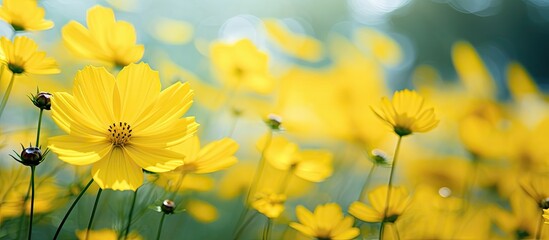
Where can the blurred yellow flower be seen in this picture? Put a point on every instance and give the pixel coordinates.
(382, 47)
(521, 84)
(236, 181)
(378, 197)
(14, 184)
(297, 45)
(183, 182)
(122, 125)
(105, 39)
(171, 31)
(327, 222)
(22, 57)
(104, 234)
(24, 15)
(241, 66)
(523, 218)
(269, 203)
(311, 165)
(445, 172)
(406, 113)
(472, 72)
(202, 211)
(213, 157)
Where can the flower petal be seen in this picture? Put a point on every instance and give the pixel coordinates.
(117, 172)
(78, 150)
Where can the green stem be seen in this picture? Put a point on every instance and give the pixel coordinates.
(362, 196)
(38, 129)
(540, 227)
(24, 206)
(160, 226)
(267, 229)
(6, 95)
(70, 209)
(32, 201)
(241, 229)
(260, 167)
(130, 216)
(93, 213)
(390, 185)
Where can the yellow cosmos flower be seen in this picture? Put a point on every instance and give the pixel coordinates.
(378, 198)
(104, 234)
(21, 56)
(213, 157)
(24, 15)
(269, 203)
(327, 222)
(122, 125)
(311, 165)
(241, 65)
(105, 39)
(406, 113)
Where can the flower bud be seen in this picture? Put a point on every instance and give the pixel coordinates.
(168, 206)
(31, 156)
(274, 121)
(42, 100)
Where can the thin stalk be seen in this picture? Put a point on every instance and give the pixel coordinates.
(22, 217)
(130, 215)
(390, 185)
(241, 229)
(160, 226)
(362, 196)
(38, 129)
(70, 209)
(32, 202)
(6, 94)
(260, 167)
(93, 213)
(286, 180)
(540, 227)
(267, 229)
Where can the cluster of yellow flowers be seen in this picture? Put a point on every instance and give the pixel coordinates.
(286, 139)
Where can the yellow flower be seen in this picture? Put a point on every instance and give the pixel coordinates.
(122, 125)
(24, 15)
(269, 203)
(201, 211)
(327, 222)
(311, 165)
(242, 66)
(378, 199)
(522, 219)
(105, 234)
(213, 157)
(294, 44)
(22, 57)
(105, 39)
(406, 113)
(14, 184)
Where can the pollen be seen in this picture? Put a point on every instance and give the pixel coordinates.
(120, 133)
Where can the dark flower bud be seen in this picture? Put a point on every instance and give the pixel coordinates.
(42, 100)
(168, 206)
(31, 156)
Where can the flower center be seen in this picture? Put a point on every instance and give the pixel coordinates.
(120, 134)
